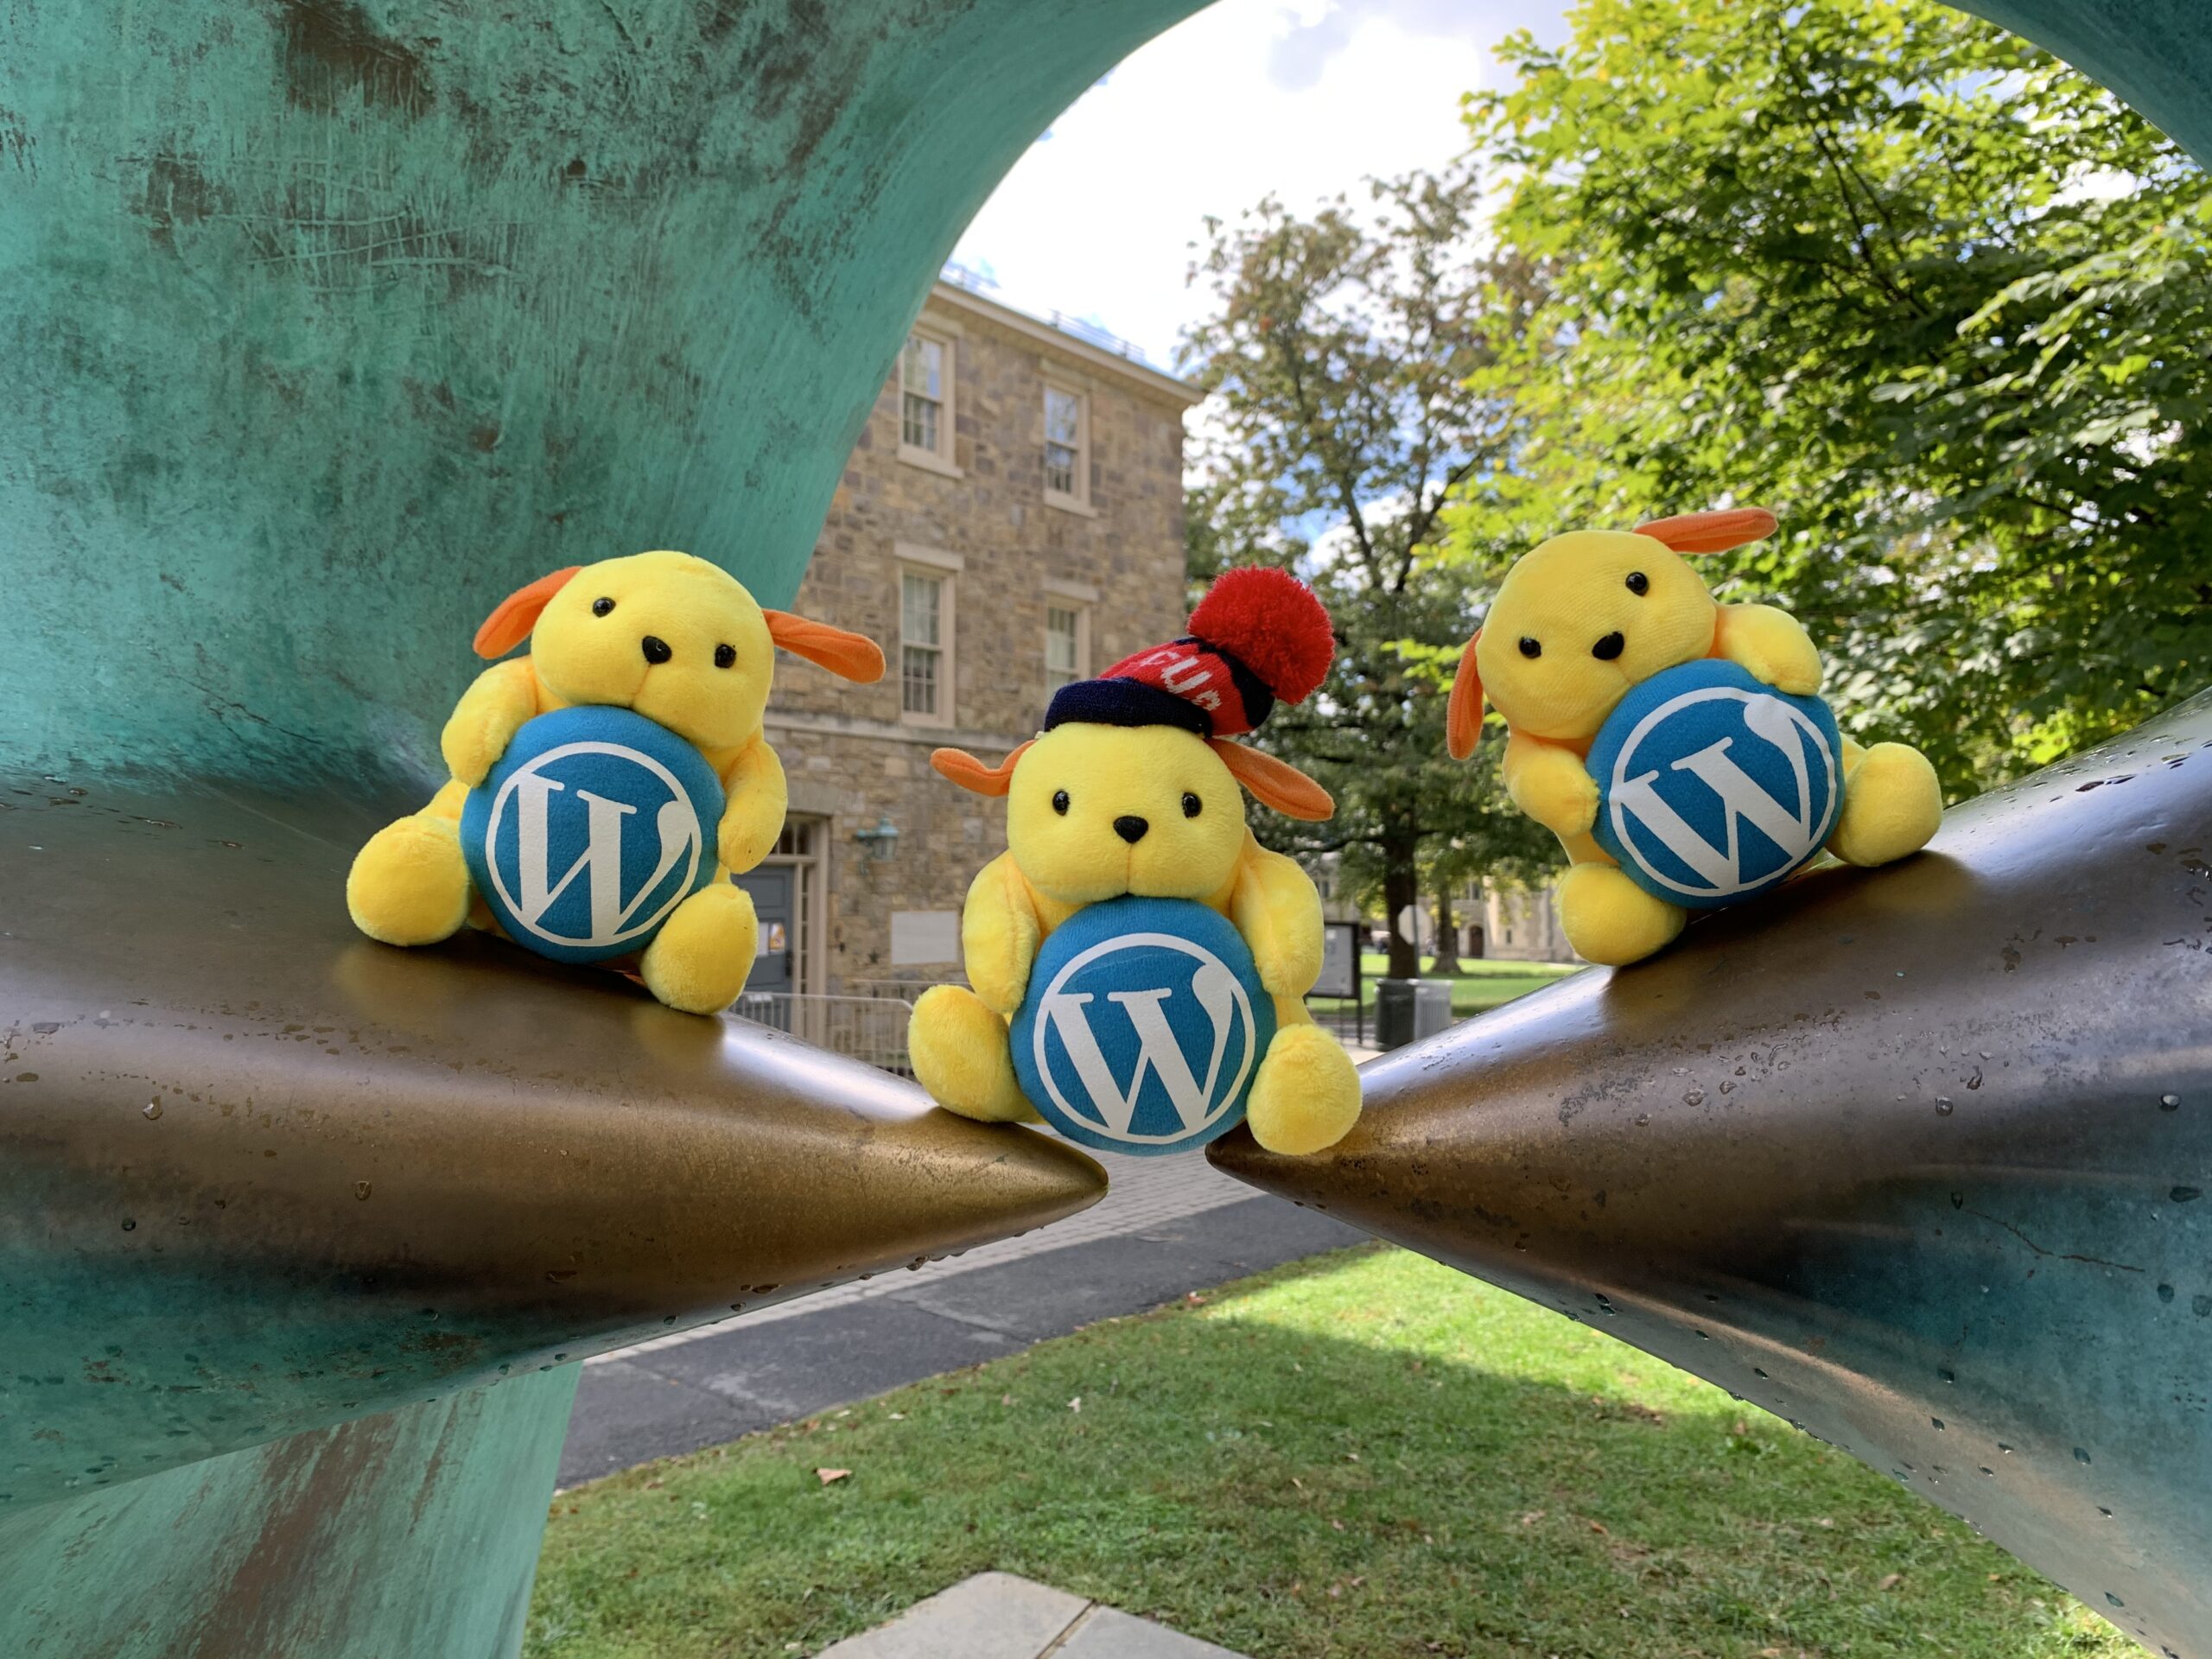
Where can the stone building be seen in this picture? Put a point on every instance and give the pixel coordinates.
(1011, 518)
(1517, 924)
(1506, 924)
(1503, 923)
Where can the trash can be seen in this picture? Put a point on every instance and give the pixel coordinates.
(1407, 1010)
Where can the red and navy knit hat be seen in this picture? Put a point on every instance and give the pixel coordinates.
(1259, 635)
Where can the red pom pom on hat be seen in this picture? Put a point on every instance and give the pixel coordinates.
(1259, 636)
(1274, 624)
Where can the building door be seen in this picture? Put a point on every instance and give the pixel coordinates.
(770, 886)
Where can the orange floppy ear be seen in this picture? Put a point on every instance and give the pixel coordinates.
(1710, 532)
(972, 775)
(518, 613)
(1275, 783)
(848, 656)
(1463, 715)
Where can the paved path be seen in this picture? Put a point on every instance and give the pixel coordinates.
(1167, 1225)
(998, 1616)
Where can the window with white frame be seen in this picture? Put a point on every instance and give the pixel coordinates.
(1067, 642)
(1067, 445)
(925, 647)
(926, 398)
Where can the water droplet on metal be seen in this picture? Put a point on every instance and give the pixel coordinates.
(129, 1225)
(361, 1190)
(1942, 1105)
(1695, 1098)
(1642, 1119)
(152, 1109)
(2168, 1103)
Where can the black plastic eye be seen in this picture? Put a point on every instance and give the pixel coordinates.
(1638, 583)
(1531, 647)
(1191, 805)
(601, 606)
(1060, 802)
(725, 656)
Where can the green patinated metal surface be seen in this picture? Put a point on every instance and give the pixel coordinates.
(323, 324)
(411, 1534)
(2157, 54)
(326, 322)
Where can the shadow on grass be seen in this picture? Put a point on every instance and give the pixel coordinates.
(1362, 1455)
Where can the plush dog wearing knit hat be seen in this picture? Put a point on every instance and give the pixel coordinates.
(1133, 788)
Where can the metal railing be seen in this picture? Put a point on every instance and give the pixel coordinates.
(908, 991)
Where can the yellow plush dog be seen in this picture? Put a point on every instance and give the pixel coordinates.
(673, 638)
(1134, 788)
(1582, 618)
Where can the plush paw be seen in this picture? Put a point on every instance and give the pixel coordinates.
(1611, 921)
(1772, 647)
(1892, 806)
(1562, 797)
(409, 885)
(1306, 1095)
(960, 1055)
(699, 959)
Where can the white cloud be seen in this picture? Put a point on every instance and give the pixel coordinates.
(1249, 97)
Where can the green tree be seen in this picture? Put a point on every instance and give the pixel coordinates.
(1340, 359)
(1937, 299)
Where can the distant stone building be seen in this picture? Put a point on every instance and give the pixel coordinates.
(1518, 924)
(1011, 518)
(1507, 924)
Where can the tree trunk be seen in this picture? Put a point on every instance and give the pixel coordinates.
(1401, 891)
(1447, 965)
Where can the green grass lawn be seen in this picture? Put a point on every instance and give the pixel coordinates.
(1363, 1456)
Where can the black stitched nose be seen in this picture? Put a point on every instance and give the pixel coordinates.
(1131, 829)
(657, 651)
(1609, 647)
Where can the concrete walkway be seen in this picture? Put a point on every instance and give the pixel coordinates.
(998, 1616)
(1166, 1226)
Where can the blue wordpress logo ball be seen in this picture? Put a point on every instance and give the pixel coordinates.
(1144, 1023)
(1713, 787)
(593, 827)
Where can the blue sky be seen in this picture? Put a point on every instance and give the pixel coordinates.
(1302, 97)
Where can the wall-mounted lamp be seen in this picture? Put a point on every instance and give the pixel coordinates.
(881, 842)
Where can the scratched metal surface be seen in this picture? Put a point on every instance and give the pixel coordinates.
(258, 1174)
(1919, 1159)
(405, 1534)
